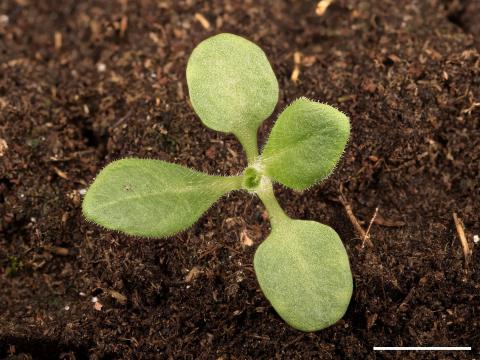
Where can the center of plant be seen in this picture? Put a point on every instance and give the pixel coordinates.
(251, 179)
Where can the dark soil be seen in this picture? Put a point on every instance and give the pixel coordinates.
(83, 83)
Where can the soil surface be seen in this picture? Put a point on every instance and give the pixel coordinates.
(86, 82)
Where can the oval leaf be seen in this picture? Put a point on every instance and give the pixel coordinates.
(303, 270)
(305, 144)
(152, 198)
(231, 84)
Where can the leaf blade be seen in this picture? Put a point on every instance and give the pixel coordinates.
(305, 144)
(151, 198)
(303, 270)
(231, 84)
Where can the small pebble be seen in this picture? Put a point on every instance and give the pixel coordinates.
(82, 191)
(67, 307)
(476, 239)
(4, 20)
(94, 299)
(101, 67)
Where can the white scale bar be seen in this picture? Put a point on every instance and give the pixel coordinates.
(422, 348)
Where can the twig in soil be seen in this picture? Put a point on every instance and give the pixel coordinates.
(356, 224)
(60, 173)
(212, 249)
(380, 220)
(122, 119)
(471, 108)
(463, 239)
(297, 60)
(123, 26)
(403, 306)
(367, 234)
(203, 21)
(58, 250)
(73, 156)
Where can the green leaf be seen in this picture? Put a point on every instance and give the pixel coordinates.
(305, 144)
(231, 84)
(152, 198)
(303, 270)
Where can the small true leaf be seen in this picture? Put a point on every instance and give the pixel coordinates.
(151, 197)
(231, 84)
(303, 270)
(305, 144)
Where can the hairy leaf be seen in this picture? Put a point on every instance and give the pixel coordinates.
(305, 144)
(303, 270)
(152, 198)
(232, 85)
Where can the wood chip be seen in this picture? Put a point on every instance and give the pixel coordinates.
(59, 250)
(394, 58)
(75, 197)
(180, 93)
(60, 173)
(3, 147)
(345, 98)
(122, 299)
(193, 274)
(154, 37)
(211, 152)
(467, 252)
(203, 21)
(322, 7)
(95, 29)
(309, 60)
(245, 239)
(57, 40)
(371, 319)
(369, 86)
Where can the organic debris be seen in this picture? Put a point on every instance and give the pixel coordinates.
(467, 252)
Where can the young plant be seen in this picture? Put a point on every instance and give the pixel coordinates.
(302, 267)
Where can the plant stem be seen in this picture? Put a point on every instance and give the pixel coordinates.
(275, 212)
(230, 183)
(249, 143)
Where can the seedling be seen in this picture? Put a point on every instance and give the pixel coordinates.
(302, 267)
